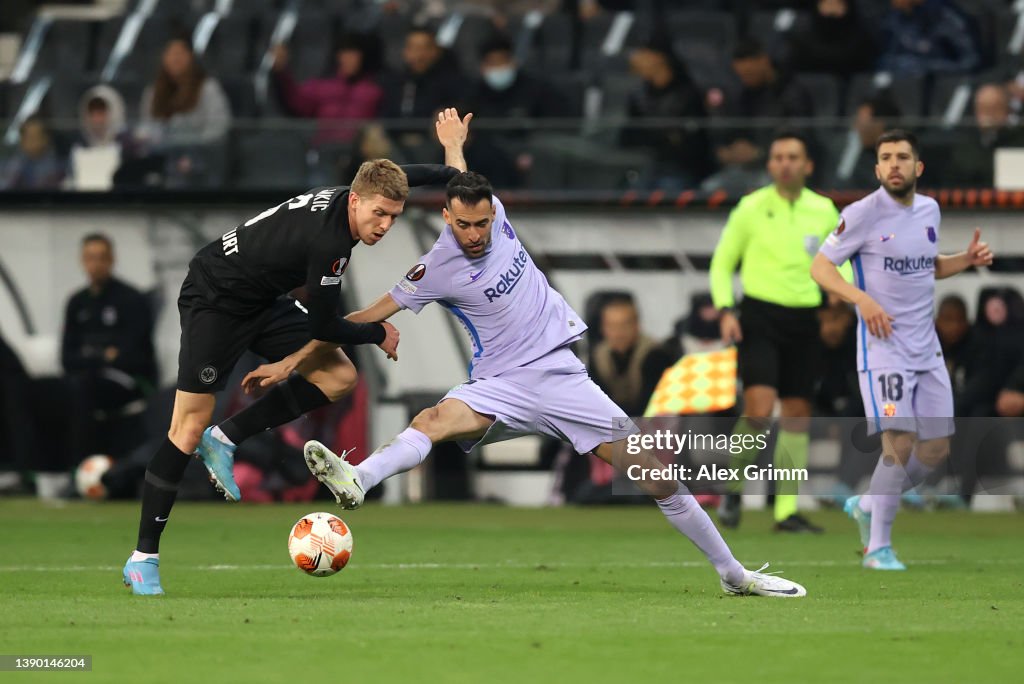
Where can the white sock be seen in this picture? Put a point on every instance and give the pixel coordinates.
(219, 435)
(686, 515)
(886, 486)
(139, 556)
(406, 451)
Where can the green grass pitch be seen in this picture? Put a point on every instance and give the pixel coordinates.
(471, 593)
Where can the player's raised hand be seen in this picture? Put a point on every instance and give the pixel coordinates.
(878, 321)
(451, 130)
(978, 252)
(390, 343)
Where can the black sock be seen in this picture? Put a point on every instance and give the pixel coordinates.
(163, 475)
(284, 403)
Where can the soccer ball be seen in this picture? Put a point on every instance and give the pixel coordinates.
(320, 544)
(88, 477)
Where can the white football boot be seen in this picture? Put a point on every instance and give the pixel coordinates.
(758, 583)
(337, 474)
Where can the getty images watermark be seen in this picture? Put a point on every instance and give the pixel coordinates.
(670, 443)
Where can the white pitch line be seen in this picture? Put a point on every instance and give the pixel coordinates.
(508, 566)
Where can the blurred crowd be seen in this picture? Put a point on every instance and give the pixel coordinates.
(693, 89)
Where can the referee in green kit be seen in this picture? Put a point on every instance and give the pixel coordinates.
(774, 232)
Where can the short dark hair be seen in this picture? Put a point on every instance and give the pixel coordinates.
(748, 47)
(899, 135)
(469, 188)
(98, 237)
(955, 301)
(790, 134)
(882, 105)
(496, 43)
(97, 104)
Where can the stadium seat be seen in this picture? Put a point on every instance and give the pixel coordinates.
(230, 52)
(310, 45)
(552, 45)
(616, 90)
(907, 91)
(68, 47)
(702, 27)
(824, 89)
(241, 95)
(269, 159)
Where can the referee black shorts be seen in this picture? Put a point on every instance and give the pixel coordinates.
(780, 347)
(213, 340)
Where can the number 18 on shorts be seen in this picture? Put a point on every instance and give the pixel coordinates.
(909, 401)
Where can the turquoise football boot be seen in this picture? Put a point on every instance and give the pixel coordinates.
(863, 520)
(219, 459)
(883, 559)
(143, 577)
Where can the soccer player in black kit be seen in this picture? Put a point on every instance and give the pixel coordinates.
(233, 299)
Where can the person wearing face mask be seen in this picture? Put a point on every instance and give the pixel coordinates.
(834, 42)
(504, 91)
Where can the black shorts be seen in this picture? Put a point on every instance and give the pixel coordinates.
(213, 340)
(780, 347)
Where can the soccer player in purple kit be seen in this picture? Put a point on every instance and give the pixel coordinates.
(524, 378)
(891, 237)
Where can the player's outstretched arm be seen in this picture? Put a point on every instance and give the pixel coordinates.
(452, 133)
(381, 310)
(977, 254)
(827, 274)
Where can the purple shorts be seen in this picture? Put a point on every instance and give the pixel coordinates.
(908, 401)
(552, 396)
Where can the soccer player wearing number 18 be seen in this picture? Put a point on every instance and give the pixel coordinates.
(232, 300)
(891, 236)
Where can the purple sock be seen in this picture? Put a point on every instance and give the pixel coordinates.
(406, 451)
(686, 515)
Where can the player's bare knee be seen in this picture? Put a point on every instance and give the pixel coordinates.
(186, 433)
(427, 421)
(933, 452)
(339, 381)
(898, 447)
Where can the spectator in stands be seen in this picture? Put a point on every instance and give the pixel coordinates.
(874, 116)
(971, 161)
(997, 349)
(184, 106)
(505, 91)
(185, 116)
(954, 330)
(36, 165)
(103, 140)
(627, 364)
(351, 94)
(927, 37)
(681, 153)
(430, 79)
(766, 92)
(834, 42)
(107, 348)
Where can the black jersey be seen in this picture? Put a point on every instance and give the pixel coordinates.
(305, 240)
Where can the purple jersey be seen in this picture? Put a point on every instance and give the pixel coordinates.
(893, 249)
(512, 315)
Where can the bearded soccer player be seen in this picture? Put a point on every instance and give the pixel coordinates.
(891, 236)
(524, 378)
(232, 300)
